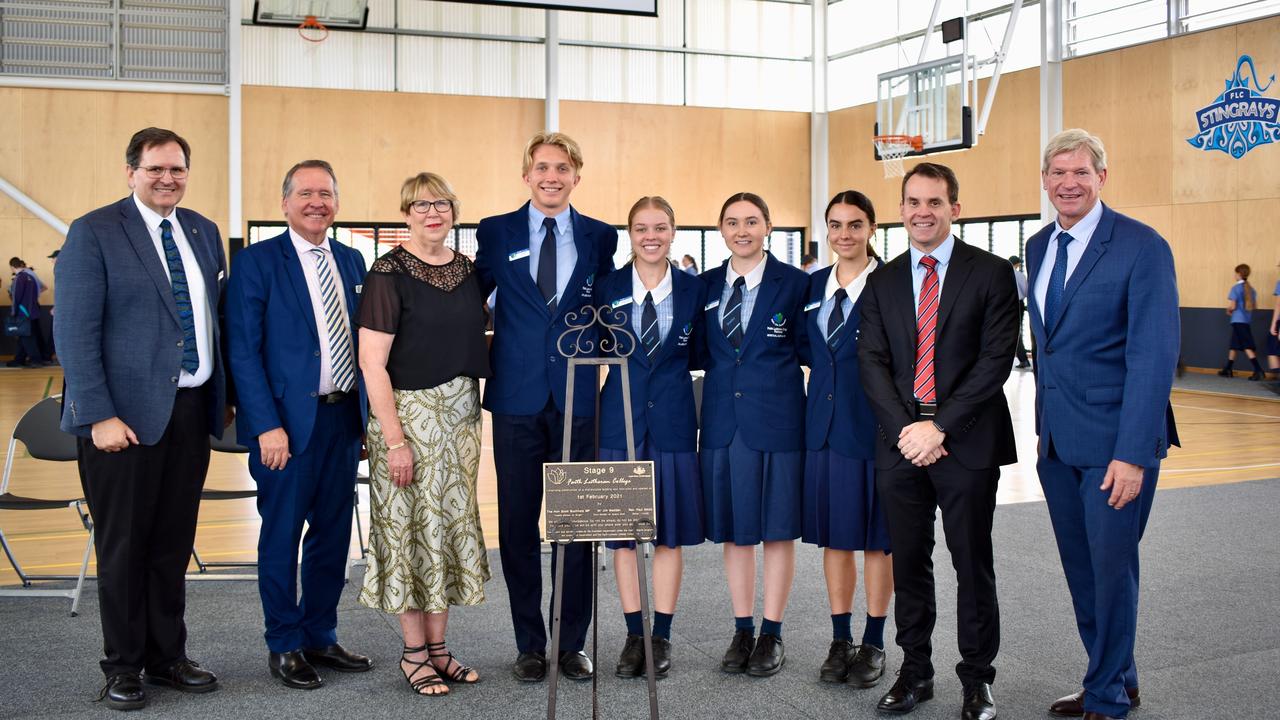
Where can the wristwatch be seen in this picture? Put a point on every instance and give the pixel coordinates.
(939, 427)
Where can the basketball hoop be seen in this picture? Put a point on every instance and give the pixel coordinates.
(892, 148)
(312, 30)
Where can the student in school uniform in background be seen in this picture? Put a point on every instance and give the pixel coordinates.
(841, 507)
(1241, 302)
(752, 441)
(662, 308)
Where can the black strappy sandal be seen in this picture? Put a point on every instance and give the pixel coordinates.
(453, 670)
(421, 683)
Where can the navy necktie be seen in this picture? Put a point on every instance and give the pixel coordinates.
(547, 265)
(182, 297)
(342, 366)
(836, 322)
(732, 319)
(649, 327)
(1057, 284)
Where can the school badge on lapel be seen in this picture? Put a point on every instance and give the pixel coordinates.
(777, 327)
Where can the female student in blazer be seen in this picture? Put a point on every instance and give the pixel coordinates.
(841, 510)
(662, 308)
(752, 442)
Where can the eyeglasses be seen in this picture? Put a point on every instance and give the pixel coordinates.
(422, 206)
(155, 172)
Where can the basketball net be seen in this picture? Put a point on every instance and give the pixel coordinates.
(312, 30)
(892, 148)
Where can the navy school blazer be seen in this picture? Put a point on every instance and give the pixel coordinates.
(837, 412)
(661, 390)
(758, 390)
(525, 358)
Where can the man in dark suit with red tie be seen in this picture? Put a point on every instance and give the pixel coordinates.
(939, 324)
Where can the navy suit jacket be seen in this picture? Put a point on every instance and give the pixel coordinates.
(527, 365)
(661, 389)
(118, 333)
(1103, 377)
(837, 412)
(760, 389)
(274, 344)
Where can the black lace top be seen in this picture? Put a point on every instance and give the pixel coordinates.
(437, 314)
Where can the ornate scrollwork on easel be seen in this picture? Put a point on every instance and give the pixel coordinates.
(612, 339)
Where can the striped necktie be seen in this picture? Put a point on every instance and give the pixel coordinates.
(649, 327)
(182, 297)
(836, 322)
(1057, 283)
(926, 331)
(341, 360)
(731, 321)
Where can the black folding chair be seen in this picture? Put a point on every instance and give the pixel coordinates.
(227, 444)
(38, 431)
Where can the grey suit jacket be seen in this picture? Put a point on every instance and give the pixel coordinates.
(118, 334)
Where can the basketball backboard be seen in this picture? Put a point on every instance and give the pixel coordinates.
(933, 100)
(333, 14)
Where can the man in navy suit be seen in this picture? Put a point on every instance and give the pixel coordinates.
(291, 309)
(544, 260)
(1104, 312)
(138, 285)
(939, 324)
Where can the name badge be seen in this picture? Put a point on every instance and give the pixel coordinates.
(813, 305)
(359, 288)
(711, 305)
(221, 275)
(518, 254)
(621, 302)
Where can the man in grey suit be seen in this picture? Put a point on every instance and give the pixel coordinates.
(137, 287)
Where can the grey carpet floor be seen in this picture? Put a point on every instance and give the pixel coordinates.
(1241, 386)
(1208, 646)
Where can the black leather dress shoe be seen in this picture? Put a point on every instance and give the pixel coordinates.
(123, 691)
(768, 657)
(294, 671)
(1072, 706)
(185, 675)
(631, 661)
(867, 666)
(905, 694)
(338, 658)
(661, 656)
(530, 667)
(576, 666)
(739, 652)
(835, 669)
(978, 703)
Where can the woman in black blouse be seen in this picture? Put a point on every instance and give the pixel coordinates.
(422, 350)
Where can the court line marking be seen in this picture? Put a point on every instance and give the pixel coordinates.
(1229, 412)
(1221, 469)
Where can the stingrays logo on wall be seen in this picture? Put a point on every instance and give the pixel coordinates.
(1241, 118)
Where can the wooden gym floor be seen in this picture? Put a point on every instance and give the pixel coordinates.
(1226, 439)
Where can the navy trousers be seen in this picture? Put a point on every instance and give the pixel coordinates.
(316, 486)
(1099, 549)
(521, 443)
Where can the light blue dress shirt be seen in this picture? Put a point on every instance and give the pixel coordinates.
(853, 291)
(942, 254)
(750, 289)
(566, 250)
(1081, 233)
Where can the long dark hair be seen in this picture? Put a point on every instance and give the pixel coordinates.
(863, 203)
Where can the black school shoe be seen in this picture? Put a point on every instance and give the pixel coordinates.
(739, 652)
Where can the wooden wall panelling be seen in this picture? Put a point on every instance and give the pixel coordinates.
(1204, 251)
(1201, 63)
(1258, 245)
(1259, 170)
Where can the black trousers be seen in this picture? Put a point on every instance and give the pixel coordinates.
(909, 496)
(1021, 352)
(144, 500)
(521, 443)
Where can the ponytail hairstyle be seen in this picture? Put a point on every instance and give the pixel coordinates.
(1250, 297)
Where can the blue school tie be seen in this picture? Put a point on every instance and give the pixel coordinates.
(1057, 284)
(732, 321)
(836, 322)
(181, 297)
(649, 326)
(341, 359)
(547, 265)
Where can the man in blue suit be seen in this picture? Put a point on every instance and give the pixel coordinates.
(291, 309)
(1104, 311)
(544, 260)
(138, 285)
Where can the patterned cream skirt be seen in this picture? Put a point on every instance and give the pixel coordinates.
(426, 549)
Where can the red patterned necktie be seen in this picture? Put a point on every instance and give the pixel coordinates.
(926, 331)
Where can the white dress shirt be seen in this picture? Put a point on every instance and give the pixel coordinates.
(1080, 233)
(308, 261)
(195, 288)
(753, 280)
(853, 290)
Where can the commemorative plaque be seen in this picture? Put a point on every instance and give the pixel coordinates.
(589, 501)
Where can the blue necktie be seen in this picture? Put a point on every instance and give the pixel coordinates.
(836, 322)
(649, 327)
(341, 359)
(1057, 284)
(547, 265)
(182, 297)
(732, 320)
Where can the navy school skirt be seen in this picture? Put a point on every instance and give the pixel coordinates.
(677, 494)
(841, 508)
(751, 496)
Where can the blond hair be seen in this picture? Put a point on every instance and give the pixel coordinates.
(560, 140)
(429, 183)
(656, 202)
(1072, 140)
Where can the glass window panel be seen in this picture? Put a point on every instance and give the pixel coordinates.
(359, 238)
(622, 255)
(717, 250)
(1202, 14)
(897, 241)
(688, 242)
(785, 245)
(1004, 241)
(1094, 26)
